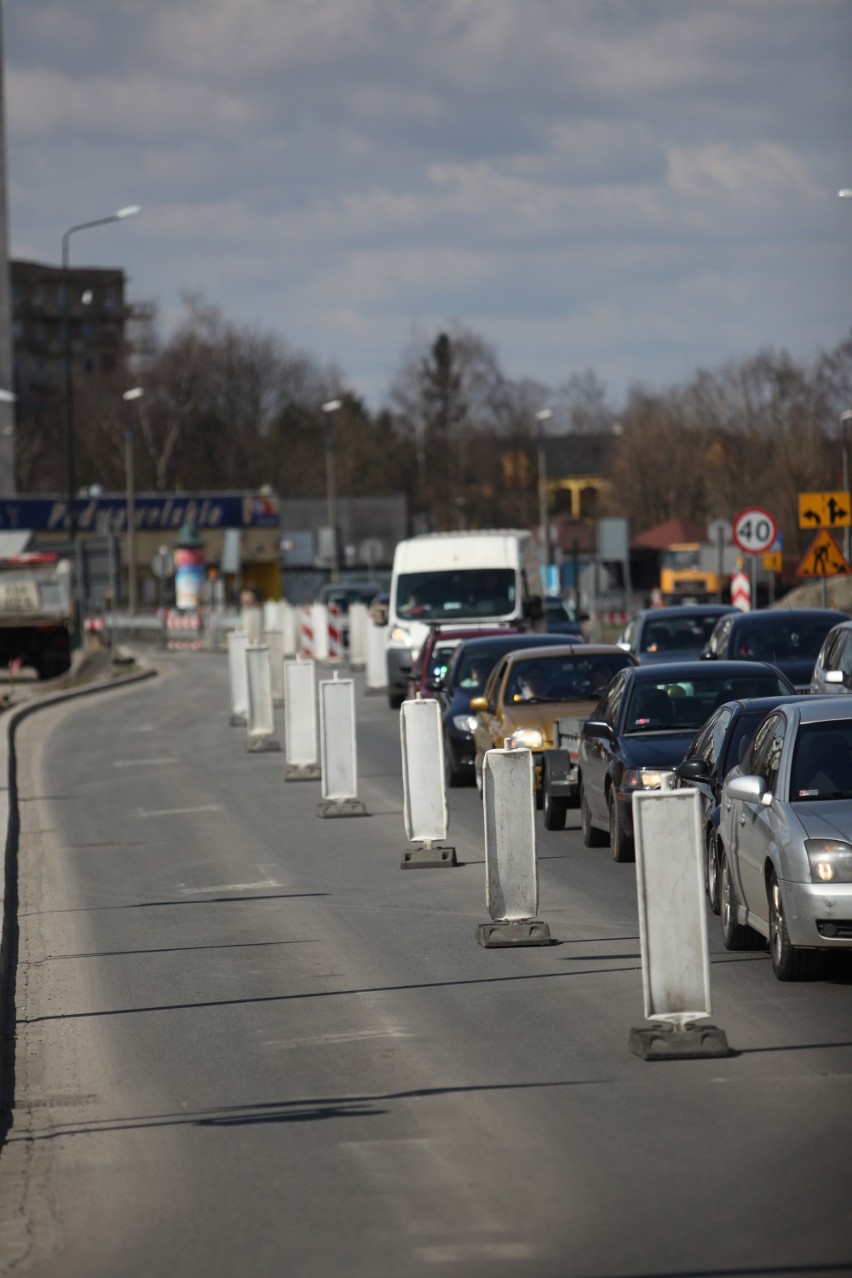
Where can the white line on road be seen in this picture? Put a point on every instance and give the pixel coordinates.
(140, 763)
(207, 807)
(232, 887)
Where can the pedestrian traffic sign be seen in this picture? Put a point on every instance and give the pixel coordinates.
(824, 558)
(824, 510)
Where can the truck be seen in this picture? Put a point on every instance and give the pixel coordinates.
(36, 613)
(486, 579)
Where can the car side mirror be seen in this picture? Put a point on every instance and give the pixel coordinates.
(478, 703)
(833, 676)
(692, 770)
(599, 730)
(749, 790)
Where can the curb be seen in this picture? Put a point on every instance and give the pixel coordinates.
(9, 827)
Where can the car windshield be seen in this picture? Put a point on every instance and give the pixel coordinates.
(469, 592)
(568, 678)
(680, 705)
(782, 638)
(822, 762)
(680, 634)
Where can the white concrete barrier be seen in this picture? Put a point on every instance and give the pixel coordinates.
(673, 927)
(260, 720)
(289, 628)
(275, 644)
(376, 678)
(511, 869)
(359, 618)
(319, 618)
(251, 622)
(338, 753)
(424, 796)
(237, 677)
(271, 620)
(301, 746)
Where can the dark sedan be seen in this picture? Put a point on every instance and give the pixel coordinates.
(470, 666)
(676, 633)
(641, 729)
(709, 759)
(788, 637)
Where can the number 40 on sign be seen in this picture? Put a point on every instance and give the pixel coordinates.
(754, 530)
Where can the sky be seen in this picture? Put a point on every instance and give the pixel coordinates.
(641, 188)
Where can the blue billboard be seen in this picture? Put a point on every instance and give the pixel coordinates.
(151, 513)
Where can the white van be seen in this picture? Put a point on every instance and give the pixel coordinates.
(458, 579)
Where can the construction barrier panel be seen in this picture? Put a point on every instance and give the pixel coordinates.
(511, 869)
(260, 720)
(673, 926)
(377, 662)
(300, 720)
(338, 753)
(275, 644)
(359, 618)
(237, 677)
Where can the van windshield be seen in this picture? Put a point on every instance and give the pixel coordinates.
(456, 593)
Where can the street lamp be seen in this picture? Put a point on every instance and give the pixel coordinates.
(542, 416)
(329, 408)
(129, 211)
(135, 392)
(845, 418)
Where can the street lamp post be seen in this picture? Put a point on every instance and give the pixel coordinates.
(129, 211)
(542, 416)
(845, 419)
(135, 392)
(330, 408)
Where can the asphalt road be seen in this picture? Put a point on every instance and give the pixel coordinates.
(250, 1044)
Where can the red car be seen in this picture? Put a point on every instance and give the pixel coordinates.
(433, 659)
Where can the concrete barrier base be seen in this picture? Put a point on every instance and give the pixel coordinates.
(262, 745)
(666, 1043)
(505, 933)
(303, 772)
(341, 808)
(428, 858)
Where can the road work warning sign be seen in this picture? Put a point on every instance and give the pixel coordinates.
(824, 559)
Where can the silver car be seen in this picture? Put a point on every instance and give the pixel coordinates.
(785, 835)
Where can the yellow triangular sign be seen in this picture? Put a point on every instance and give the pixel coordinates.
(824, 558)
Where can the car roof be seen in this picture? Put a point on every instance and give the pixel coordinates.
(748, 705)
(657, 671)
(685, 610)
(761, 615)
(508, 641)
(817, 708)
(574, 649)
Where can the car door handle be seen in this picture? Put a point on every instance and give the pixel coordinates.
(741, 819)
(728, 805)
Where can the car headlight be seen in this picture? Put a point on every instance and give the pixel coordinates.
(647, 779)
(464, 722)
(830, 860)
(525, 738)
(399, 634)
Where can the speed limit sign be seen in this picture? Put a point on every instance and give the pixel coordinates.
(755, 530)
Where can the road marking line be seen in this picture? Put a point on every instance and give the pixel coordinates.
(140, 763)
(208, 807)
(232, 887)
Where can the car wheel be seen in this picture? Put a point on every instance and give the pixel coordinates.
(735, 935)
(620, 844)
(477, 772)
(553, 810)
(592, 836)
(789, 962)
(452, 775)
(712, 873)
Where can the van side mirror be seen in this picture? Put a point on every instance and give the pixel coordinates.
(534, 608)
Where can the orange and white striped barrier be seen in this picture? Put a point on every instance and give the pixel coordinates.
(335, 633)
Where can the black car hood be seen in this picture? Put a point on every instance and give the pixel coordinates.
(656, 749)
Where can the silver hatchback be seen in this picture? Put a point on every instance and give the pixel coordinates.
(785, 835)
